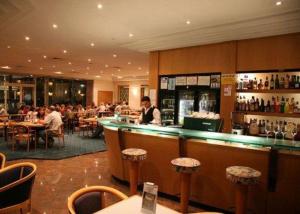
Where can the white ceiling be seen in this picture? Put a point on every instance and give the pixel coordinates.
(155, 24)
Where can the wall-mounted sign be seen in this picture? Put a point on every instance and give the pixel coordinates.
(164, 83)
(215, 81)
(171, 83)
(204, 80)
(180, 80)
(228, 79)
(191, 80)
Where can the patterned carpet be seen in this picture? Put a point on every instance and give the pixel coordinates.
(74, 146)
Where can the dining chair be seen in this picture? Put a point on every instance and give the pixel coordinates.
(16, 182)
(22, 133)
(91, 199)
(59, 134)
(2, 160)
(84, 127)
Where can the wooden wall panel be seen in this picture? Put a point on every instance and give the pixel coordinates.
(89, 92)
(105, 97)
(277, 52)
(153, 69)
(199, 59)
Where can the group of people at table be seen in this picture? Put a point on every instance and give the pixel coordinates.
(52, 117)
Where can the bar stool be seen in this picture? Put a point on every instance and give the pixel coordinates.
(134, 156)
(185, 166)
(242, 177)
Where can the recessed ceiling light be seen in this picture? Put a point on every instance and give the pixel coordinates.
(58, 72)
(120, 77)
(44, 56)
(55, 26)
(73, 70)
(65, 51)
(6, 67)
(129, 63)
(278, 3)
(88, 68)
(53, 66)
(188, 22)
(31, 75)
(89, 60)
(99, 6)
(119, 69)
(101, 72)
(27, 38)
(98, 76)
(41, 68)
(87, 73)
(139, 68)
(147, 72)
(106, 66)
(29, 60)
(70, 63)
(8, 46)
(115, 56)
(130, 35)
(92, 44)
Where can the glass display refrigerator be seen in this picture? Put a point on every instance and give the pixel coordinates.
(179, 99)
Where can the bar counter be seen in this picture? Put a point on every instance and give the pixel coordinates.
(277, 160)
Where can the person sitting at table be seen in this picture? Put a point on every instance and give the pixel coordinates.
(150, 114)
(31, 114)
(2, 110)
(52, 122)
(41, 113)
(101, 108)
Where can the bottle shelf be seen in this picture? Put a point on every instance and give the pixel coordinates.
(271, 91)
(270, 114)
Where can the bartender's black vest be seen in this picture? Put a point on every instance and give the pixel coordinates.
(148, 117)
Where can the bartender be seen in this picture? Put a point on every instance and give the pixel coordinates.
(150, 114)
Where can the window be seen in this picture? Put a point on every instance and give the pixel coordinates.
(124, 93)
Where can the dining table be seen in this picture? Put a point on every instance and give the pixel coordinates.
(133, 205)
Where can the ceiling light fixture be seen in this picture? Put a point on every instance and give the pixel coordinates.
(58, 72)
(115, 56)
(53, 66)
(70, 63)
(8, 46)
(41, 68)
(92, 44)
(98, 76)
(88, 68)
(188, 22)
(130, 35)
(119, 77)
(27, 38)
(89, 60)
(6, 67)
(129, 63)
(139, 68)
(29, 60)
(44, 56)
(55, 26)
(106, 66)
(65, 51)
(278, 3)
(99, 6)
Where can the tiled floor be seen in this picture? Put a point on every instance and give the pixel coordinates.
(57, 179)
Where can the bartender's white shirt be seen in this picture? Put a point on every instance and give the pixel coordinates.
(156, 116)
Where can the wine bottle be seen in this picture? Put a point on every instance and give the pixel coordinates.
(286, 82)
(277, 82)
(255, 83)
(282, 104)
(260, 85)
(272, 83)
(267, 83)
(297, 84)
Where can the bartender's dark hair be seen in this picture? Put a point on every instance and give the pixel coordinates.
(145, 98)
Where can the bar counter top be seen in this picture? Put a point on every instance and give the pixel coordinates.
(195, 134)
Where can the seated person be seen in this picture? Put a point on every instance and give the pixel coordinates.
(52, 122)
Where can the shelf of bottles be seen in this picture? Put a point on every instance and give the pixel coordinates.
(268, 94)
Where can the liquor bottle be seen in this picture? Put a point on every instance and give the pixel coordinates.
(255, 83)
(272, 83)
(281, 83)
(267, 83)
(252, 104)
(292, 105)
(259, 127)
(262, 105)
(245, 84)
(282, 104)
(260, 85)
(256, 105)
(263, 124)
(241, 84)
(250, 84)
(286, 106)
(244, 103)
(297, 83)
(272, 107)
(237, 104)
(268, 106)
(247, 106)
(286, 82)
(277, 105)
(277, 82)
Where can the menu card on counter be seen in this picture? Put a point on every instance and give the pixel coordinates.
(171, 83)
(149, 198)
(164, 83)
(191, 80)
(204, 80)
(181, 80)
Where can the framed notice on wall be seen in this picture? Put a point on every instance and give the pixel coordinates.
(204, 80)
(181, 80)
(215, 81)
(171, 83)
(191, 80)
(164, 83)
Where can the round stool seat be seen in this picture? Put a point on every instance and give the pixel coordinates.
(185, 165)
(134, 154)
(242, 175)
